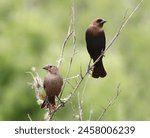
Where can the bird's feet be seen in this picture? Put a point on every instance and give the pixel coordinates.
(62, 103)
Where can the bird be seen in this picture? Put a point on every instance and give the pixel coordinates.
(95, 43)
(52, 85)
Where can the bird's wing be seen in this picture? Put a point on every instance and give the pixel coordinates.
(44, 84)
(95, 41)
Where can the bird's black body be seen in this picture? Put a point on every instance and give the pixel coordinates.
(96, 41)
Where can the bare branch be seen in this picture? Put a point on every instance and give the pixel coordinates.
(73, 77)
(29, 117)
(110, 103)
(63, 47)
(85, 85)
(70, 84)
(123, 24)
(72, 25)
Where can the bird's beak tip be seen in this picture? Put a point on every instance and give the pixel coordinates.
(45, 68)
(104, 21)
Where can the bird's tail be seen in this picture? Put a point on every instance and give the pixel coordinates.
(48, 102)
(98, 70)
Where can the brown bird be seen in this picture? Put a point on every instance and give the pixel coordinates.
(52, 86)
(95, 41)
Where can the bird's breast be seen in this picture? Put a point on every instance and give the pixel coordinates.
(52, 84)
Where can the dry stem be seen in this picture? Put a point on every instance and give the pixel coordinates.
(110, 103)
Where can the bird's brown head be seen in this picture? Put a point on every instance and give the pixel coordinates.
(99, 22)
(51, 68)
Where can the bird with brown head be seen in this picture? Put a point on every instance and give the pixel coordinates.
(95, 42)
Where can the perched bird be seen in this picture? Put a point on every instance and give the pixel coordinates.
(95, 41)
(52, 85)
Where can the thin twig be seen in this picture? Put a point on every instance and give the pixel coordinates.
(29, 117)
(110, 103)
(72, 25)
(73, 77)
(63, 47)
(70, 84)
(84, 88)
(125, 21)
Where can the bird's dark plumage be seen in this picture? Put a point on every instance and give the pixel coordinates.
(96, 41)
(52, 85)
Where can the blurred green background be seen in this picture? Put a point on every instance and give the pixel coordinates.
(32, 33)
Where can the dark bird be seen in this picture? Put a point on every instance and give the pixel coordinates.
(95, 41)
(52, 85)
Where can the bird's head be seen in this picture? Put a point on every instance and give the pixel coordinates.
(51, 68)
(99, 22)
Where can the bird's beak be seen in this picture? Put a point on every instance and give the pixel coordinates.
(103, 21)
(45, 67)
